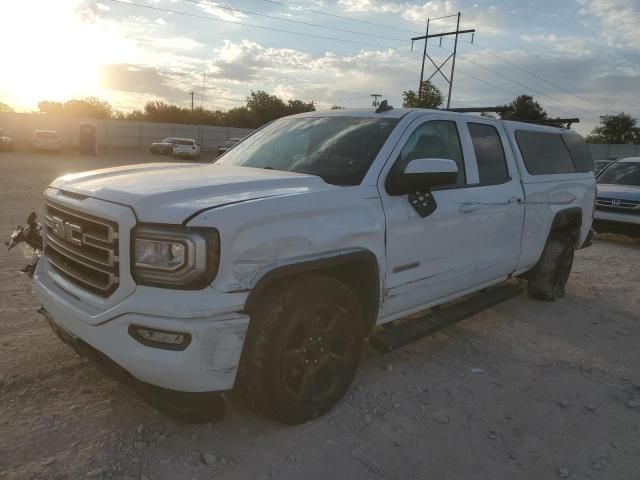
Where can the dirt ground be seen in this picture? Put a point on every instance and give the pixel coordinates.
(526, 390)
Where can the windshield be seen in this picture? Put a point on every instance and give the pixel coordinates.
(168, 140)
(622, 173)
(184, 142)
(340, 150)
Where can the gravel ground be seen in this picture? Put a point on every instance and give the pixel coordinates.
(526, 390)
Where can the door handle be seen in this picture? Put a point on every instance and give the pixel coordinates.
(468, 207)
(515, 200)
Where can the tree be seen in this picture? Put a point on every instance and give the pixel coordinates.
(338, 107)
(299, 106)
(89, 107)
(430, 97)
(48, 107)
(524, 108)
(4, 108)
(265, 107)
(616, 129)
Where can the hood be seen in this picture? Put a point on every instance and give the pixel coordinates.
(171, 192)
(622, 192)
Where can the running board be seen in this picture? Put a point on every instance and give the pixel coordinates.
(409, 331)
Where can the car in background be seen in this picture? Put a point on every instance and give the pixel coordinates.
(600, 165)
(618, 197)
(186, 148)
(6, 143)
(46, 141)
(163, 147)
(228, 145)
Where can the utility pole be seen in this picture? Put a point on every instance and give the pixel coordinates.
(192, 93)
(204, 77)
(425, 55)
(376, 96)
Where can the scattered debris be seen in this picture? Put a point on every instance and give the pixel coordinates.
(209, 458)
(492, 435)
(591, 407)
(563, 472)
(442, 418)
(633, 403)
(565, 403)
(477, 370)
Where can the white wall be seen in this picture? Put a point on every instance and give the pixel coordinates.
(113, 133)
(603, 152)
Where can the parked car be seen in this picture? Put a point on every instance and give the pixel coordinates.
(267, 270)
(186, 148)
(46, 141)
(600, 165)
(228, 144)
(6, 143)
(163, 147)
(618, 198)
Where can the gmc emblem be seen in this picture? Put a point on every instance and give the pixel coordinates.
(68, 231)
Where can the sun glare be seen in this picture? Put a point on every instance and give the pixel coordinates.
(48, 52)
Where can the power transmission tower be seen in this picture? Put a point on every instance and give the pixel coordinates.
(425, 55)
(376, 96)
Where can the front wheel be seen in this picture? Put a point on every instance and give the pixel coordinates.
(549, 277)
(303, 347)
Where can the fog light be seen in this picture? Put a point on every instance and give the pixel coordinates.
(152, 337)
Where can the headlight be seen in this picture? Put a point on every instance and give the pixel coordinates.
(175, 256)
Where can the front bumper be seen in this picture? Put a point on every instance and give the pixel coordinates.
(610, 216)
(208, 364)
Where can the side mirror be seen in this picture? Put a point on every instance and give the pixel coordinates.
(422, 174)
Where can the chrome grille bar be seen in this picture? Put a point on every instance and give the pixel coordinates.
(82, 248)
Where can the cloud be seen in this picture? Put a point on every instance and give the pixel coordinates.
(223, 11)
(142, 79)
(488, 21)
(620, 19)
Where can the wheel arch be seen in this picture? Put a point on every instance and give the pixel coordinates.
(569, 221)
(358, 270)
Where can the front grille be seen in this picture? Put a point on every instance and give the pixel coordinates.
(630, 206)
(82, 248)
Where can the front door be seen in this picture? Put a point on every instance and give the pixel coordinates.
(472, 238)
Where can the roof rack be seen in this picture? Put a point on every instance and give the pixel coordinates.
(554, 122)
(478, 109)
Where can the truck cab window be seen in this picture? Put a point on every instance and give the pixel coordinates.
(434, 139)
(492, 164)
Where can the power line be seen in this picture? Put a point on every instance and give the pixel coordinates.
(542, 79)
(351, 19)
(523, 85)
(300, 22)
(498, 87)
(194, 15)
(548, 82)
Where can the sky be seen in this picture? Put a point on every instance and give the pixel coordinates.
(578, 58)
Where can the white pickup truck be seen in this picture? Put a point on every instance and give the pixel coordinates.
(266, 271)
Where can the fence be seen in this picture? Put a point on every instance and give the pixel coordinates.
(614, 151)
(123, 133)
(113, 133)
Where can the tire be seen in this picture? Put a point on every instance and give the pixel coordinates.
(549, 277)
(303, 347)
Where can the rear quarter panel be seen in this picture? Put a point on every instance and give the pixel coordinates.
(545, 197)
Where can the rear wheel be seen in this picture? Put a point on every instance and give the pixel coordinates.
(549, 278)
(304, 344)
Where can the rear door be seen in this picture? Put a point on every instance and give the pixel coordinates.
(473, 237)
